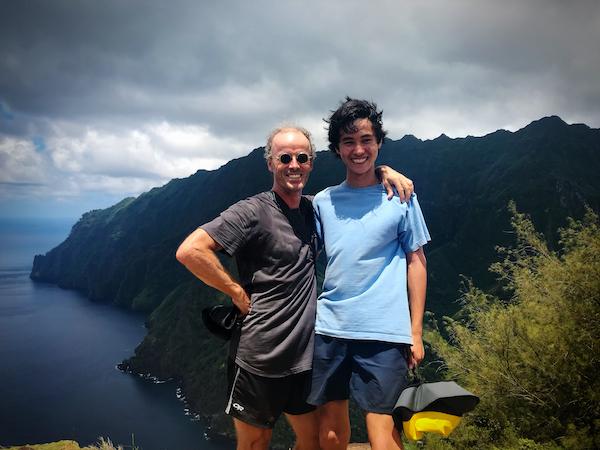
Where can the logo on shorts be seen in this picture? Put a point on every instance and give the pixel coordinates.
(238, 406)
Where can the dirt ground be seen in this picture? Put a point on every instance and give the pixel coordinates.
(366, 446)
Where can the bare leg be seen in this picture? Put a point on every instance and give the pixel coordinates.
(334, 429)
(306, 427)
(382, 433)
(250, 437)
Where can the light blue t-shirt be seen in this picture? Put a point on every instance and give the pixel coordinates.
(365, 237)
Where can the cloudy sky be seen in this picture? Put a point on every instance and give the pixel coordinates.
(105, 99)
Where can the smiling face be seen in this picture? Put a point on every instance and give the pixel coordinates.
(359, 151)
(289, 179)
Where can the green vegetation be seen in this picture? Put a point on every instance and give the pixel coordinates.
(532, 357)
(71, 445)
(126, 255)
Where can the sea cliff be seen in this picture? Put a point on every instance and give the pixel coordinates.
(125, 254)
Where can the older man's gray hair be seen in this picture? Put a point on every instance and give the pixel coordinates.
(268, 153)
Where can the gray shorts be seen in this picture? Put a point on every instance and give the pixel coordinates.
(259, 401)
(373, 371)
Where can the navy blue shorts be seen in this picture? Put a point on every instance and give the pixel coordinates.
(373, 371)
(259, 401)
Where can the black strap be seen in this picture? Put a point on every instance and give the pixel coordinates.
(306, 213)
(413, 379)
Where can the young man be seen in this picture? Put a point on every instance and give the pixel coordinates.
(367, 336)
(273, 237)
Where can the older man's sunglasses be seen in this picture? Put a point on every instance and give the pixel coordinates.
(286, 158)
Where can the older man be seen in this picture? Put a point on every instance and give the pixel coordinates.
(273, 237)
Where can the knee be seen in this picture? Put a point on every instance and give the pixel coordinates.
(331, 438)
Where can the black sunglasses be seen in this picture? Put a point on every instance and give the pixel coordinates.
(286, 158)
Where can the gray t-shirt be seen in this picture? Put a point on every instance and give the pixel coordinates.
(276, 265)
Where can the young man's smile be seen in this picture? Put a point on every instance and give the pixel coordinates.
(358, 151)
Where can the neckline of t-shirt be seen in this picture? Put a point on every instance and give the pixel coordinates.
(282, 204)
(377, 187)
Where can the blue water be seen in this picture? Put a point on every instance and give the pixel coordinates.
(58, 353)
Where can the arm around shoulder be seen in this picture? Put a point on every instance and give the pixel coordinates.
(390, 179)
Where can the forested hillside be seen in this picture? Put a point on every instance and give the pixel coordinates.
(125, 254)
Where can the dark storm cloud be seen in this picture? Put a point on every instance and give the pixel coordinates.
(128, 94)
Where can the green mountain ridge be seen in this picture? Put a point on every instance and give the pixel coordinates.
(126, 254)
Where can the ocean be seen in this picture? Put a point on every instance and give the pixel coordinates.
(58, 357)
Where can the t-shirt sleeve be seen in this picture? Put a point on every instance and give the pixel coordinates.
(232, 227)
(412, 231)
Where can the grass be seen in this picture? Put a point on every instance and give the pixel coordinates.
(103, 444)
(106, 445)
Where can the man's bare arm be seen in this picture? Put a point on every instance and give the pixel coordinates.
(390, 178)
(417, 287)
(197, 253)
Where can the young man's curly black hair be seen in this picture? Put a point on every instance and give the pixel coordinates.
(344, 117)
